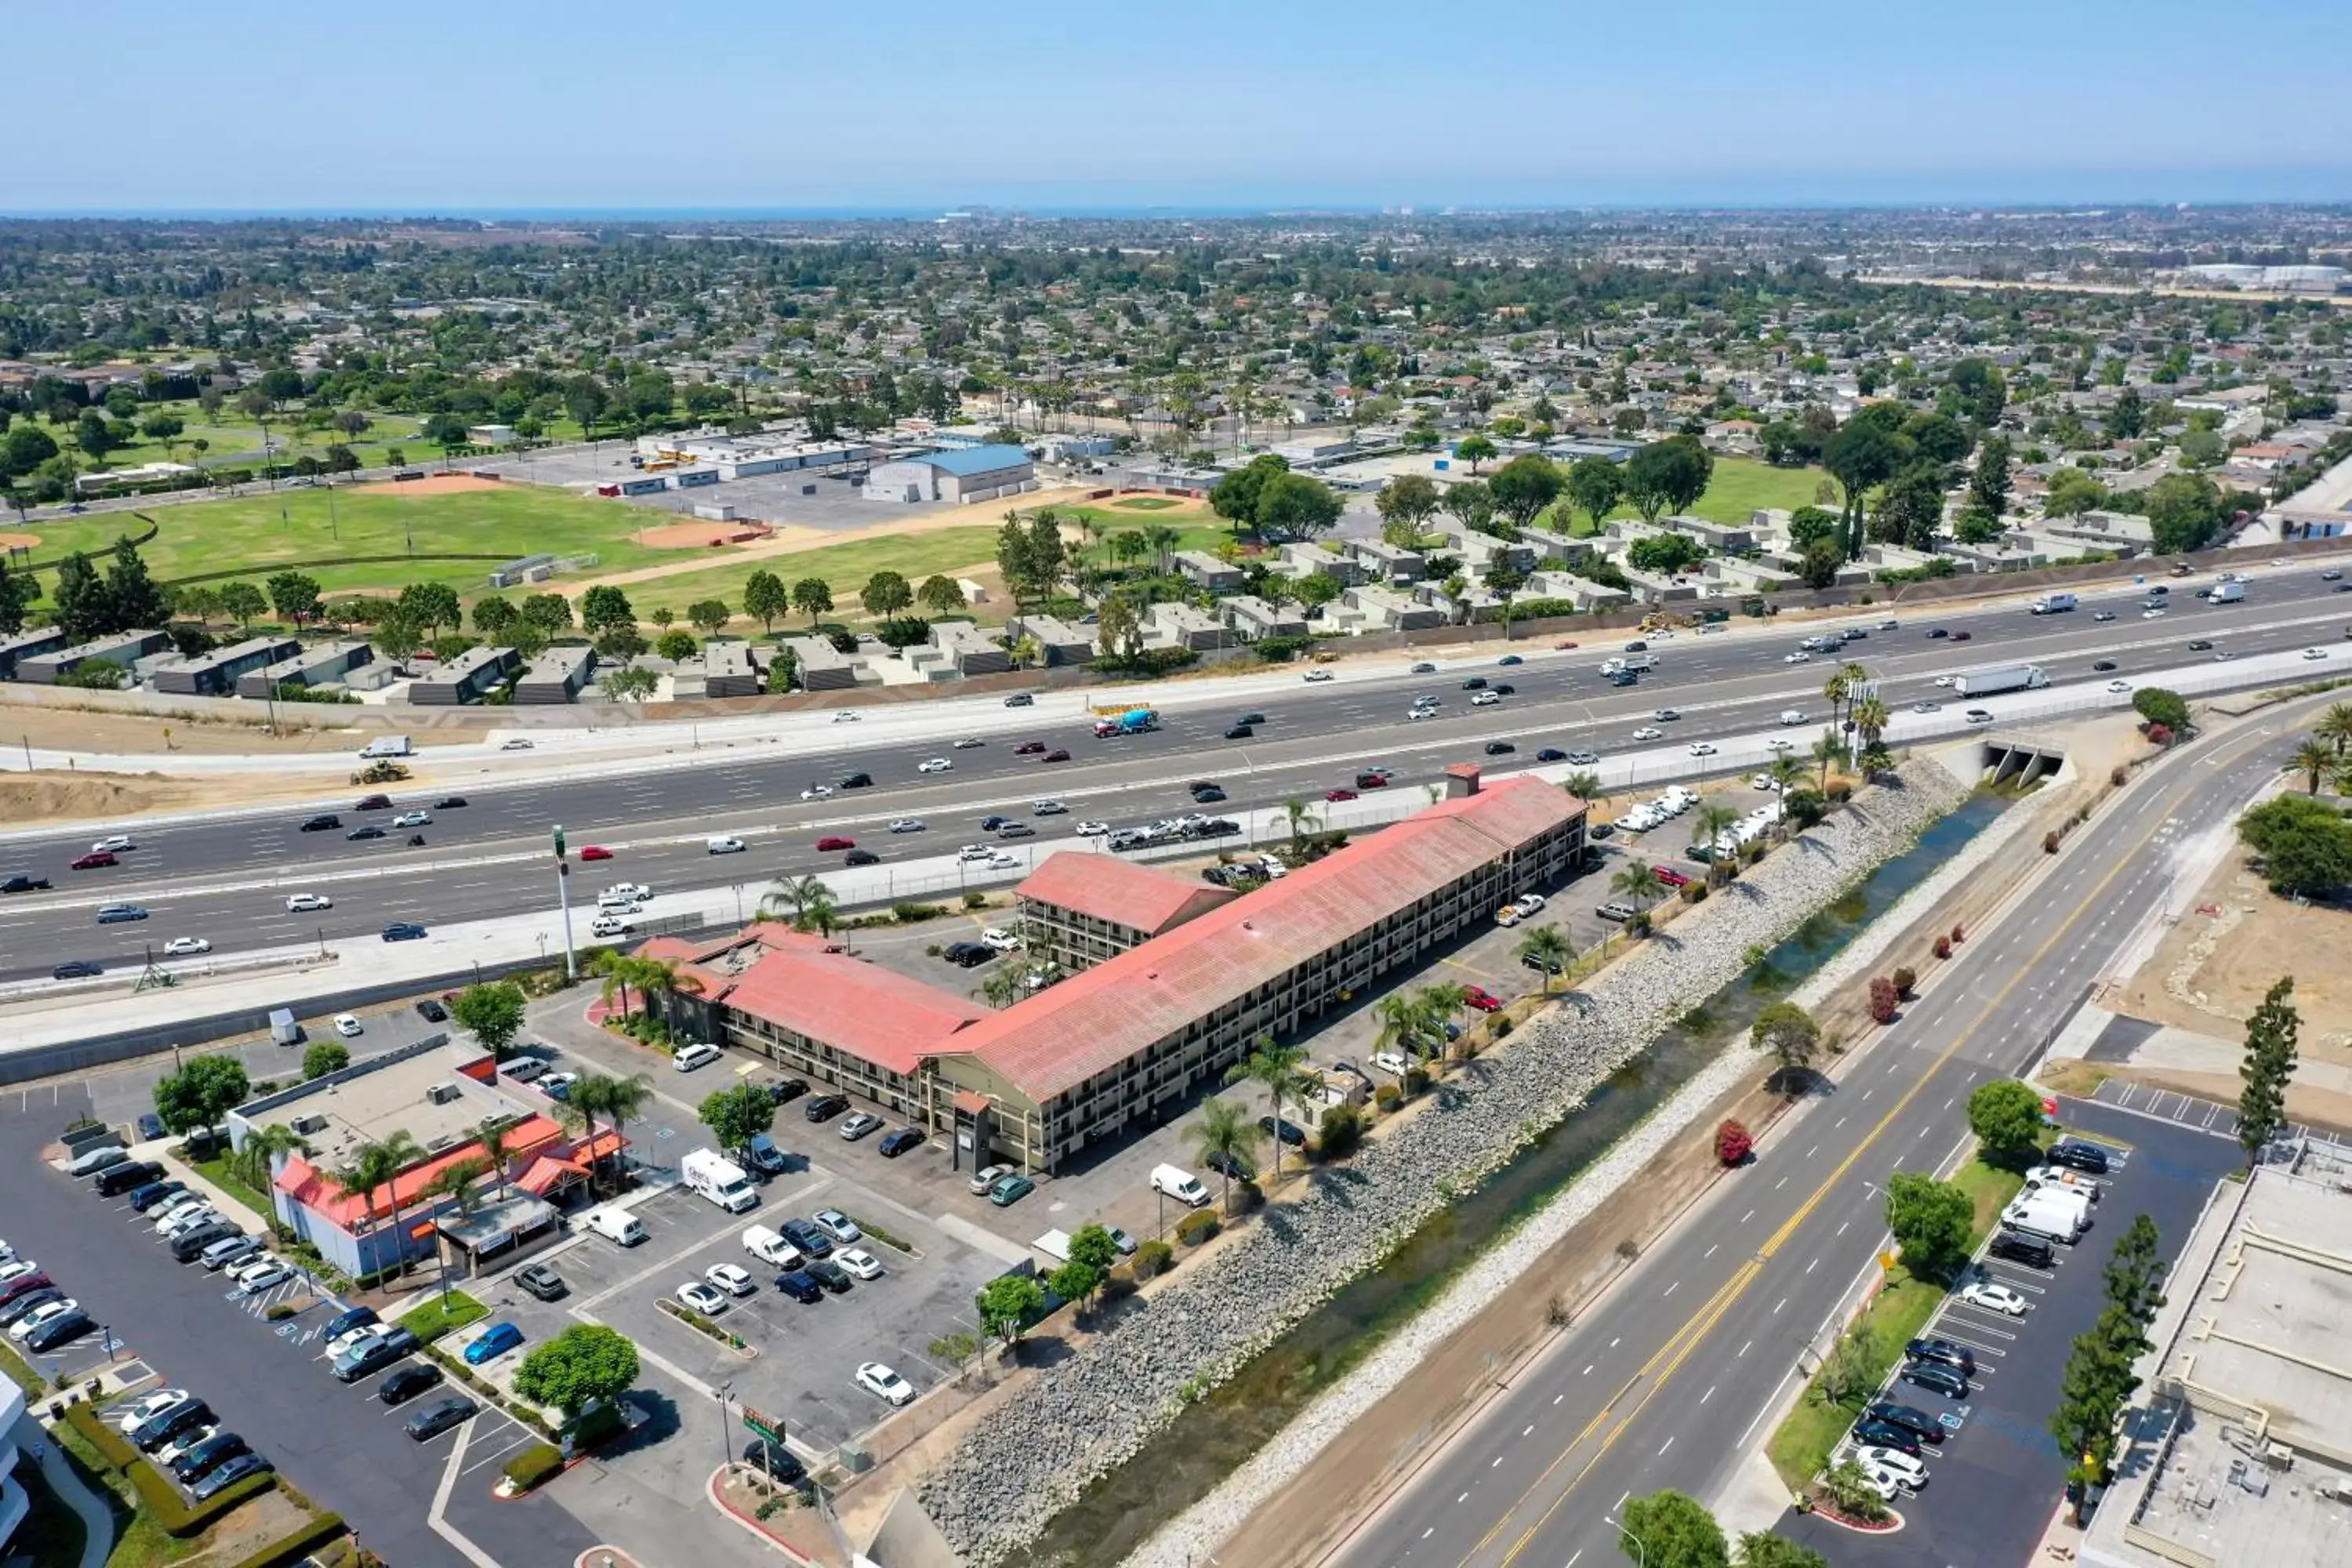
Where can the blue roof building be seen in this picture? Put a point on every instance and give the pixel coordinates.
(964, 474)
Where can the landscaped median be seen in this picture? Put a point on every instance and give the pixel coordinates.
(445, 1314)
(1899, 1306)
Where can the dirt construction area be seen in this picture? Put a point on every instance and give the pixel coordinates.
(431, 485)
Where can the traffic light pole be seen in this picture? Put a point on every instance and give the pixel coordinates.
(563, 900)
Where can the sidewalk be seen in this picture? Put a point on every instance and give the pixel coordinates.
(57, 1469)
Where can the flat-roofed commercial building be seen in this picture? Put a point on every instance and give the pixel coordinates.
(27, 645)
(464, 678)
(1131, 1036)
(319, 664)
(555, 676)
(122, 649)
(213, 674)
(2239, 1450)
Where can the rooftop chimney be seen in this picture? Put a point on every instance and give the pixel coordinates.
(1461, 779)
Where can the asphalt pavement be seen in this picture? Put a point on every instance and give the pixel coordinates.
(227, 879)
(1669, 1379)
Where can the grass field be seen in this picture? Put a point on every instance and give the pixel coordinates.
(260, 534)
(1737, 486)
(235, 437)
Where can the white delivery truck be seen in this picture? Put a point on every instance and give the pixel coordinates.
(2226, 593)
(1995, 678)
(2061, 1217)
(718, 1178)
(2053, 603)
(1180, 1184)
(387, 746)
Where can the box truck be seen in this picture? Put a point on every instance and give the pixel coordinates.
(2000, 677)
(2226, 593)
(2061, 1217)
(718, 1178)
(2053, 603)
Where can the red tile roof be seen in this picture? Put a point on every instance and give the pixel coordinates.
(795, 980)
(1099, 1018)
(1108, 889)
(319, 1192)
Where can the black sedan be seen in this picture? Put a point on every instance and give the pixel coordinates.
(408, 1383)
(1289, 1131)
(432, 1011)
(215, 1451)
(1208, 796)
(1551, 754)
(898, 1140)
(825, 1107)
(227, 1476)
(787, 1089)
(370, 831)
(1500, 748)
(449, 802)
(2102, 666)
(76, 969)
(59, 1330)
(800, 1286)
(827, 1273)
(438, 1417)
(322, 823)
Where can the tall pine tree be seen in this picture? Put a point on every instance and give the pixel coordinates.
(133, 599)
(2135, 1272)
(82, 608)
(17, 591)
(2270, 1063)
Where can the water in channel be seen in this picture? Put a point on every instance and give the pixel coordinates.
(1208, 1441)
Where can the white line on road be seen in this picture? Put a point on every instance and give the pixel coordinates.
(1670, 1290)
(1530, 1431)
(1779, 1185)
(1808, 1268)
(1840, 1230)
(1664, 1446)
(1708, 1395)
(1782, 1302)
(1813, 1151)
(1708, 1253)
(1743, 1350)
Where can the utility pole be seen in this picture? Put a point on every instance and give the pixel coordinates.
(563, 900)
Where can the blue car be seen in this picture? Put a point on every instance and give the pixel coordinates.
(402, 930)
(492, 1342)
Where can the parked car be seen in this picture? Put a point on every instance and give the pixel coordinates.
(1289, 1131)
(898, 1140)
(1937, 1378)
(542, 1281)
(1886, 1435)
(1993, 1297)
(493, 1343)
(1009, 1190)
(1926, 1427)
(432, 1011)
(227, 1476)
(861, 1263)
(825, 1107)
(707, 1299)
(168, 1423)
(787, 1089)
(440, 1417)
(858, 1126)
(812, 1242)
(408, 1383)
(827, 1273)
(193, 1463)
(884, 1383)
(1944, 1351)
(800, 1286)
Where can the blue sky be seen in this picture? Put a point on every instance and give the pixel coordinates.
(599, 105)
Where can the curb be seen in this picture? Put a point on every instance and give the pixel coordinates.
(746, 1522)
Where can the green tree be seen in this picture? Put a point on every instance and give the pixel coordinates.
(2334, 726)
(18, 592)
(1850, 1371)
(1551, 951)
(1988, 481)
(1667, 475)
(1762, 1549)
(2305, 846)
(1407, 501)
(813, 596)
(1662, 554)
(1932, 1222)
(1809, 523)
(627, 685)
(810, 902)
(1294, 506)
(1008, 1304)
(395, 638)
(2156, 705)
(1585, 785)
(324, 1056)
(940, 596)
(1911, 508)
(586, 1364)
(709, 617)
(25, 448)
(134, 601)
(1668, 1529)
(1224, 1134)
(2312, 759)
(1639, 883)
(2006, 1117)
(736, 1116)
(1981, 391)
(1821, 563)
(456, 1181)
(79, 600)
(2184, 513)
(606, 608)
(1277, 1069)
(602, 1097)
(2269, 1067)
(550, 613)
(765, 597)
(2071, 493)
(1475, 450)
(676, 646)
(2097, 1382)
(1790, 1034)
(428, 604)
(2135, 1273)
(886, 594)
(1861, 456)
(495, 615)
(1092, 1245)
(1595, 485)
(493, 1010)
(1525, 486)
(1075, 1282)
(201, 1094)
(294, 595)
(1470, 503)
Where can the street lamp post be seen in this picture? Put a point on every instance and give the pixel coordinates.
(563, 900)
(1640, 1552)
(726, 1451)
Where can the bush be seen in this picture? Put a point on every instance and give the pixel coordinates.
(1416, 1078)
(1840, 791)
(533, 1465)
(1943, 947)
(1388, 1096)
(1197, 1227)
(914, 914)
(1904, 980)
(1733, 1144)
(2159, 734)
(1883, 999)
(2050, 842)
(1341, 1130)
(975, 901)
(1694, 892)
(2118, 775)
(1154, 1258)
(1958, 936)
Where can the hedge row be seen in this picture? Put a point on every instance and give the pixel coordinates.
(322, 1529)
(178, 1518)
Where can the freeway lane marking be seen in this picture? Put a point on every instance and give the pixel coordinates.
(1696, 1330)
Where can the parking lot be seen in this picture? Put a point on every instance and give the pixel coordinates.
(167, 1324)
(1994, 1482)
(800, 1358)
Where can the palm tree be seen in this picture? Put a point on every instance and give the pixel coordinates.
(2335, 726)
(1834, 689)
(402, 1151)
(1404, 1025)
(1639, 883)
(620, 972)
(808, 899)
(1870, 716)
(257, 1162)
(1302, 823)
(1003, 987)
(1785, 770)
(616, 1099)
(2312, 759)
(456, 1181)
(495, 1150)
(1585, 787)
(1276, 1067)
(1224, 1135)
(1549, 949)
(1708, 826)
(1830, 748)
(659, 978)
(369, 1171)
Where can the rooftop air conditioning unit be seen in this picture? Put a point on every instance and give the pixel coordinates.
(2279, 1456)
(308, 1126)
(447, 1140)
(441, 1093)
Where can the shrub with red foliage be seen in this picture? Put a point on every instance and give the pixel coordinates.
(1883, 999)
(2160, 734)
(1732, 1141)
(1943, 947)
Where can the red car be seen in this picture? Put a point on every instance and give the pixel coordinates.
(1055, 757)
(1028, 748)
(836, 843)
(1670, 877)
(1478, 996)
(94, 860)
(595, 852)
(1342, 795)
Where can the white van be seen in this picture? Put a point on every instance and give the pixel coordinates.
(702, 1053)
(617, 1225)
(1180, 1184)
(620, 904)
(722, 845)
(772, 1248)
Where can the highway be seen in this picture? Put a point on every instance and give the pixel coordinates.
(1668, 1380)
(226, 879)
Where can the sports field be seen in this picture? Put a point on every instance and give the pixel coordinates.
(256, 535)
(1737, 486)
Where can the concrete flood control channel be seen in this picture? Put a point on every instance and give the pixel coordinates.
(1210, 1437)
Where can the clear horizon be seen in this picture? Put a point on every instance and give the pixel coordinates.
(238, 109)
